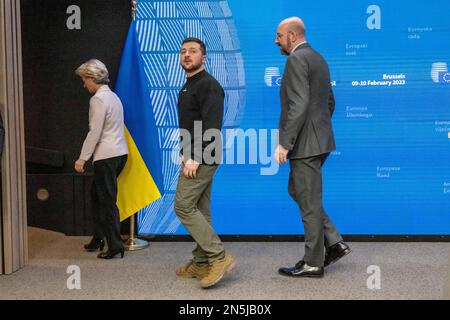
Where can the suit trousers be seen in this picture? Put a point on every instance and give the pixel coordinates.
(305, 187)
(104, 198)
(192, 206)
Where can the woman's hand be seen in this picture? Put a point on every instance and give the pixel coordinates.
(79, 165)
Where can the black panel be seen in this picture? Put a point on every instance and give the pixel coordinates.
(68, 207)
(55, 213)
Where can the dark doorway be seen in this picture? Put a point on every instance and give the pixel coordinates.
(56, 104)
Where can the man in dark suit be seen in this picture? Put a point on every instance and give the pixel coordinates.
(306, 139)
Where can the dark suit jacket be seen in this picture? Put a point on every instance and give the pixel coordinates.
(307, 104)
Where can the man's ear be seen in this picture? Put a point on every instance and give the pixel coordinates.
(293, 35)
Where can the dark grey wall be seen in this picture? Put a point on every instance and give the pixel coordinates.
(55, 103)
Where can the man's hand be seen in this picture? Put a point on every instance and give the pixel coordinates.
(281, 154)
(190, 169)
(79, 165)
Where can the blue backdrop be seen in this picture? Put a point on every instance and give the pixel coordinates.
(388, 61)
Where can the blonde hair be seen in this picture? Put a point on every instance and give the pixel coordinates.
(94, 69)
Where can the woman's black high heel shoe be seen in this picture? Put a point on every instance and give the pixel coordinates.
(94, 245)
(111, 254)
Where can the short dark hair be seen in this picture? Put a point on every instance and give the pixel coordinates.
(196, 40)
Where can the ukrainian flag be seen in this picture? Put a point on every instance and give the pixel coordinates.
(141, 181)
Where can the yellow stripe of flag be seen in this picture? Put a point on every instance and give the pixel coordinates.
(134, 178)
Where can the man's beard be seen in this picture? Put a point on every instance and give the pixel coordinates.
(284, 50)
(193, 67)
(288, 47)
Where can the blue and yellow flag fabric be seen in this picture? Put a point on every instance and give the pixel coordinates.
(141, 181)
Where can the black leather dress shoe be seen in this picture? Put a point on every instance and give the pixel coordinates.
(301, 269)
(335, 252)
(111, 254)
(94, 245)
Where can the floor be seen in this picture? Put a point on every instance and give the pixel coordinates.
(372, 271)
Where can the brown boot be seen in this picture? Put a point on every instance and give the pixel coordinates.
(217, 269)
(192, 270)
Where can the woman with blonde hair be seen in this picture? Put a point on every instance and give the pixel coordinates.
(106, 143)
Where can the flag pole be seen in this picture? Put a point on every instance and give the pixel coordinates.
(133, 243)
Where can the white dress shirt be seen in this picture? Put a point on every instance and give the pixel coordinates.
(106, 137)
